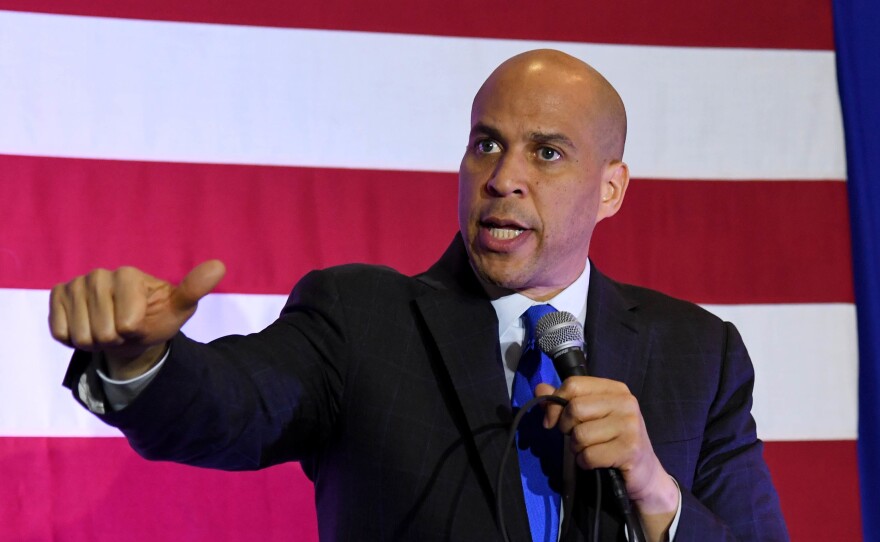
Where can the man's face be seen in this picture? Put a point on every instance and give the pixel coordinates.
(530, 182)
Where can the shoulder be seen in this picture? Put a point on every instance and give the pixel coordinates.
(356, 282)
(668, 326)
(650, 305)
(662, 306)
(451, 273)
(364, 275)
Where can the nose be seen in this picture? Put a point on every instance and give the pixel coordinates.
(509, 177)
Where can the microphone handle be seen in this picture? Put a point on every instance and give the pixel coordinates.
(572, 362)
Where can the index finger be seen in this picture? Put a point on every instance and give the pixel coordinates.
(58, 316)
(578, 386)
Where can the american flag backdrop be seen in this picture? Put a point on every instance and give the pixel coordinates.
(280, 137)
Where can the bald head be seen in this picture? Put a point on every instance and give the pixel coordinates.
(561, 75)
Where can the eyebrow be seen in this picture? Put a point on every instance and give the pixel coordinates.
(541, 137)
(535, 137)
(485, 129)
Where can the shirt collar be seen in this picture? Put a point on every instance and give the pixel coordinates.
(573, 299)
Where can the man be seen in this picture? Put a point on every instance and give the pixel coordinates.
(394, 392)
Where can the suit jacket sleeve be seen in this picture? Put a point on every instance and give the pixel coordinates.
(292, 371)
(732, 496)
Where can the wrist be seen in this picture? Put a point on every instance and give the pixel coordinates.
(658, 506)
(120, 367)
(660, 497)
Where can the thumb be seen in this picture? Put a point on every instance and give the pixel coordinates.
(197, 284)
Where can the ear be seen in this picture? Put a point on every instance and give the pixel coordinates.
(615, 179)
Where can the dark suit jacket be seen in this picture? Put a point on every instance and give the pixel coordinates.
(390, 391)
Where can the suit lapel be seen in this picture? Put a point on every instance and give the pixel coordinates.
(464, 327)
(615, 340)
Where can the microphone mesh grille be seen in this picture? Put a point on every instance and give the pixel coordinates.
(557, 329)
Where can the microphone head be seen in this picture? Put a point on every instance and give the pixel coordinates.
(558, 331)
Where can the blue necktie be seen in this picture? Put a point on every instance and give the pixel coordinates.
(540, 450)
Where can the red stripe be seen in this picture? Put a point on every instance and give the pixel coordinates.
(783, 24)
(710, 242)
(818, 487)
(732, 241)
(99, 490)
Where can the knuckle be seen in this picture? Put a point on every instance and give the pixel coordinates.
(567, 422)
(59, 335)
(56, 293)
(579, 408)
(578, 385)
(81, 340)
(76, 285)
(104, 336)
(579, 435)
(567, 417)
(127, 273)
(56, 303)
(622, 388)
(123, 271)
(126, 325)
(96, 276)
(630, 405)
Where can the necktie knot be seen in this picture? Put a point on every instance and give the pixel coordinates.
(531, 317)
(534, 365)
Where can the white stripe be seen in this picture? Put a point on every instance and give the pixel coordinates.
(806, 368)
(804, 357)
(124, 89)
(32, 365)
(32, 400)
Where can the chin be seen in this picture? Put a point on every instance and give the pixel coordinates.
(500, 275)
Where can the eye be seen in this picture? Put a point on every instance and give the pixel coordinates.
(487, 146)
(548, 154)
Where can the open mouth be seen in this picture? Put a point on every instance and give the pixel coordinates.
(505, 233)
(502, 229)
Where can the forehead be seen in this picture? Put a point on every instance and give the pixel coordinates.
(527, 101)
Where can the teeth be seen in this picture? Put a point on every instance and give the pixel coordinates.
(504, 233)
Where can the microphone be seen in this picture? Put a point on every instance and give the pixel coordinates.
(561, 337)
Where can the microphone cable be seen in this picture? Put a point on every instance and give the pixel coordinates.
(633, 524)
